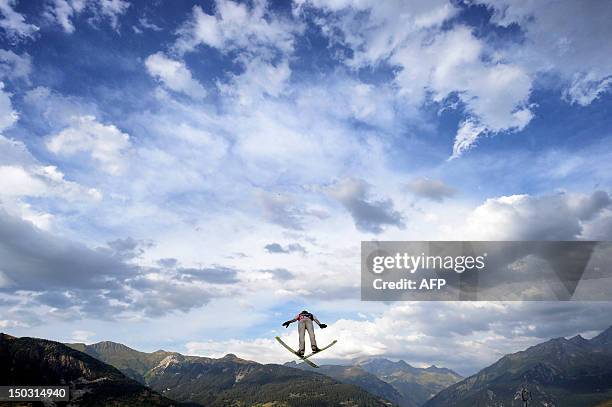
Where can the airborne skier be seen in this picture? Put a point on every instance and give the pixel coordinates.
(304, 320)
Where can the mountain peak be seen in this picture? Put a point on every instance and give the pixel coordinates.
(110, 346)
(578, 340)
(380, 361)
(230, 357)
(604, 338)
(6, 336)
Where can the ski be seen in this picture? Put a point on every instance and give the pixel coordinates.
(321, 349)
(295, 353)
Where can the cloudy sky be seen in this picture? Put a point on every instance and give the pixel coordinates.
(188, 175)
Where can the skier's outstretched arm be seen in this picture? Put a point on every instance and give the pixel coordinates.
(287, 323)
(318, 323)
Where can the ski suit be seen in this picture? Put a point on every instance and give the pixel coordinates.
(305, 324)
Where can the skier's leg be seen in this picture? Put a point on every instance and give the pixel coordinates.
(301, 329)
(311, 334)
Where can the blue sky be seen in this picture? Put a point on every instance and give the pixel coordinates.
(188, 175)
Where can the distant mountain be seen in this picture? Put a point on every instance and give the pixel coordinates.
(359, 377)
(415, 384)
(230, 380)
(398, 382)
(131, 362)
(31, 361)
(560, 372)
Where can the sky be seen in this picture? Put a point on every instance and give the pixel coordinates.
(189, 175)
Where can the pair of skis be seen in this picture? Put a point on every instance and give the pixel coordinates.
(305, 358)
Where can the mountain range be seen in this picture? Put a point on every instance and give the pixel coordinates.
(30, 361)
(229, 380)
(399, 382)
(562, 372)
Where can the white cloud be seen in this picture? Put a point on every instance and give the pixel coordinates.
(16, 181)
(493, 83)
(549, 217)
(56, 110)
(495, 94)
(258, 35)
(259, 79)
(22, 175)
(464, 336)
(112, 9)
(14, 23)
(174, 75)
(63, 12)
(236, 26)
(11, 323)
(106, 144)
(560, 38)
(14, 66)
(467, 134)
(8, 116)
(82, 336)
(433, 63)
(374, 30)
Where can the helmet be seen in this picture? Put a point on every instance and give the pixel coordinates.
(304, 312)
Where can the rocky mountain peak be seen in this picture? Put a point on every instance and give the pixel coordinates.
(604, 338)
(578, 340)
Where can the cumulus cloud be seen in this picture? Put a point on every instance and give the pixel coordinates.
(548, 217)
(258, 38)
(369, 215)
(236, 26)
(105, 144)
(434, 190)
(432, 62)
(559, 38)
(14, 23)
(492, 83)
(23, 176)
(174, 75)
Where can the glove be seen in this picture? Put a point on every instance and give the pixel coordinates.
(286, 324)
(322, 326)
